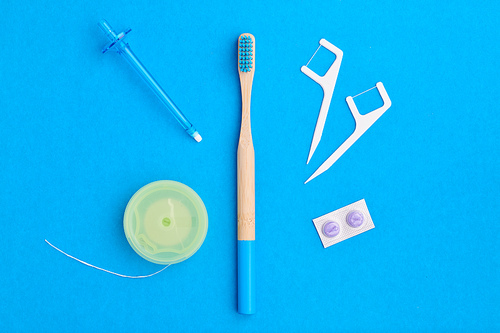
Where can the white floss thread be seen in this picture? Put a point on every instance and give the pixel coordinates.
(105, 270)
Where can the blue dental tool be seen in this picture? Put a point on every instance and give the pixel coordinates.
(123, 49)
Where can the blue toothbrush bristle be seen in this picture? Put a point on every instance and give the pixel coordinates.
(245, 51)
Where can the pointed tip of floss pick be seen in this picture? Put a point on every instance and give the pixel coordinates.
(311, 153)
(314, 175)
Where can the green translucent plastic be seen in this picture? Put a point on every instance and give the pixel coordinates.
(165, 222)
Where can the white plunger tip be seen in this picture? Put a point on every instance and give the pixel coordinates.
(197, 137)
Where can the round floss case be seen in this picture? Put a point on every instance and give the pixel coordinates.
(165, 222)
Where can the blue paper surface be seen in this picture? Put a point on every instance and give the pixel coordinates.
(80, 133)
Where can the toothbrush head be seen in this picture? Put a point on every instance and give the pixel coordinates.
(246, 53)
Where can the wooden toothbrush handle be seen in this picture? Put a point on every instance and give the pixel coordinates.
(246, 179)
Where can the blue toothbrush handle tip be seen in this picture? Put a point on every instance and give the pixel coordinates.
(246, 277)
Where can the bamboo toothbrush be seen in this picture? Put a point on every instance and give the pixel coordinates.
(246, 181)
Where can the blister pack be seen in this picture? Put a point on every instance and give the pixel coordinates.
(343, 223)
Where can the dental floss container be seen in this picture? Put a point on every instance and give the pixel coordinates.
(165, 222)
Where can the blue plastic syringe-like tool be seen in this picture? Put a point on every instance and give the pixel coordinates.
(123, 49)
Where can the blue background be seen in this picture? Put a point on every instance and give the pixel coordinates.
(80, 133)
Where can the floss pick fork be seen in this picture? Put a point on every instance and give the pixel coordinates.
(327, 82)
(363, 123)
